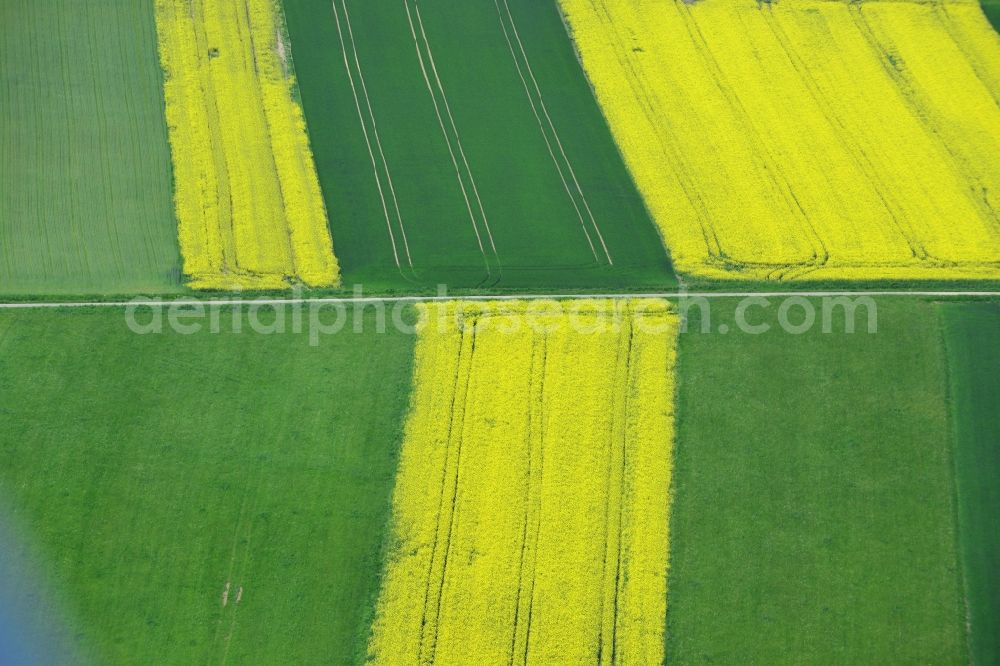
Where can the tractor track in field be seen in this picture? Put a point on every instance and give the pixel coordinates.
(142, 301)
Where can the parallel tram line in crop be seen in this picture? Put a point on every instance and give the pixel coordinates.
(447, 139)
(555, 134)
(364, 129)
(674, 159)
(217, 179)
(458, 138)
(520, 643)
(897, 68)
(858, 153)
(552, 128)
(971, 43)
(456, 125)
(447, 512)
(255, 191)
(614, 509)
(458, 141)
(371, 115)
(746, 120)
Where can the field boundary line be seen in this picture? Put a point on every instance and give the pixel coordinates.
(333, 300)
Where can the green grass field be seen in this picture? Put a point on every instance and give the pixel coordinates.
(813, 516)
(972, 333)
(477, 155)
(147, 472)
(84, 165)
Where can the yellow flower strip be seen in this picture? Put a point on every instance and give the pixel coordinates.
(982, 47)
(250, 211)
(531, 504)
(942, 85)
(305, 211)
(808, 139)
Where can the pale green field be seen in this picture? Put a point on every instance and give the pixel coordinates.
(85, 170)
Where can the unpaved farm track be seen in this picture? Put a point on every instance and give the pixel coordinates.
(140, 301)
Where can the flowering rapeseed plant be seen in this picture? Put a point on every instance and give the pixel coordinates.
(531, 503)
(808, 139)
(249, 206)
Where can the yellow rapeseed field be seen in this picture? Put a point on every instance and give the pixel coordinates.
(531, 505)
(249, 207)
(806, 139)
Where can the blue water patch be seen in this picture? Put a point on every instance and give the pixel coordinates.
(31, 623)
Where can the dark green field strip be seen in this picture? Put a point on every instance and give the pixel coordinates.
(150, 471)
(992, 10)
(495, 166)
(972, 332)
(813, 518)
(85, 168)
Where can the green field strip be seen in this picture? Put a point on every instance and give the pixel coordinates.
(463, 142)
(972, 334)
(147, 472)
(813, 517)
(85, 172)
(992, 10)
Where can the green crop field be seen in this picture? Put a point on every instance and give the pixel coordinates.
(464, 142)
(150, 473)
(84, 166)
(992, 9)
(813, 517)
(972, 333)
